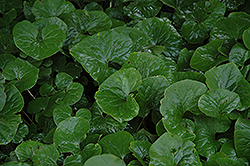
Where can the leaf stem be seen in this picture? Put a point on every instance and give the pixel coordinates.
(31, 94)
(27, 117)
(139, 126)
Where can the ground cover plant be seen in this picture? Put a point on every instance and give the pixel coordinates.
(125, 82)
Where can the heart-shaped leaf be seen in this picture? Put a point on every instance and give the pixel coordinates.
(63, 80)
(178, 98)
(115, 94)
(201, 20)
(81, 21)
(140, 150)
(150, 92)
(105, 160)
(36, 45)
(218, 102)
(45, 155)
(96, 52)
(162, 33)
(22, 131)
(91, 150)
(173, 150)
(25, 73)
(37, 105)
(229, 77)
(117, 143)
(70, 133)
(142, 9)
(73, 160)
(150, 65)
(61, 113)
(207, 56)
(51, 8)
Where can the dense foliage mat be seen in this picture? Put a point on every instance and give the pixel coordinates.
(124, 82)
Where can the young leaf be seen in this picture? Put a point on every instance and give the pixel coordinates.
(115, 94)
(117, 143)
(70, 133)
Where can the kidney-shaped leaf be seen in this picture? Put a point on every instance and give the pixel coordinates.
(149, 65)
(180, 97)
(162, 33)
(61, 112)
(70, 133)
(242, 138)
(91, 150)
(246, 38)
(114, 94)
(96, 52)
(117, 143)
(25, 73)
(51, 8)
(218, 102)
(229, 77)
(207, 56)
(105, 160)
(173, 150)
(38, 46)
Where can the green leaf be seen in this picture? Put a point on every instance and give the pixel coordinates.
(184, 59)
(162, 33)
(25, 73)
(229, 77)
(91, 150)
(63, 80)
(104, 124)
(7, 45)
(230, 28)
(38, 45)
(2, 98)
(61, 113)
(22, 131)
(81, 21)
(139, 38)
(93, 6)
(41, 24)
(189, 75)
(85, 113)
(73, 160)
(239, 54)
(96, 52)
(149, 65)
(26, 150)
(205, 130)
(6, 59)
(14, 163)
(115, 94)
(228, 149)
(72, 94)
(45, 155)
(46, 90)
(105, 160)
(218, 102)
(117, 143)
(181, 6)
(140, 150)
(8, 17)
(178, 98)
(246, 36)
(143, 9)
(207, 56)
(70, 133)
(232, 4)
(37, 105)
(27, 6)
(242, 138)
(173, 150)
(201, 20)
(51, 8)
(150, 92)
